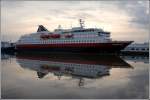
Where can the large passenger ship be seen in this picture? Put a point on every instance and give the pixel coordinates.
(74, 39)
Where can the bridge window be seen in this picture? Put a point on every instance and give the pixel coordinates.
(100, 34)
(86, 30)
(65, 32)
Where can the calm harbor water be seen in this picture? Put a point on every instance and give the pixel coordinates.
(49, 76)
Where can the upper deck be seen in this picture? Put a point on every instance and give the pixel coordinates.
(75, 33)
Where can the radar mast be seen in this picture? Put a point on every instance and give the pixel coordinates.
(81, 23)
(59, 26)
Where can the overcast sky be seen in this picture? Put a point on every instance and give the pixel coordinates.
(126, 20)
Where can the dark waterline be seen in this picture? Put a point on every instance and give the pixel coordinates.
(73, 76)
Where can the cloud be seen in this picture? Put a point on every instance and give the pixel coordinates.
(138, 10)
(115, 16)
(12, 4)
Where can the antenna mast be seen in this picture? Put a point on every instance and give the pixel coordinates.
(59, 26)
(81, 23)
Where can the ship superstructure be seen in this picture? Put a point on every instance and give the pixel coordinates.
(74, 39)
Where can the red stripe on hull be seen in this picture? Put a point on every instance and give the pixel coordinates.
(119, 45)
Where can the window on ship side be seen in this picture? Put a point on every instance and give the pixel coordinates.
(99, 33)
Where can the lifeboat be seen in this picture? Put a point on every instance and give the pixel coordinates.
(69, 36)
(54, 35)
(44, 36)
(50, 36)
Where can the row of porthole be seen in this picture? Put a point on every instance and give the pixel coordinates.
(56, 40)
(65, 41)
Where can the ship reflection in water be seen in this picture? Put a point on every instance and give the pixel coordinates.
(76, 66)
(74, 76)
